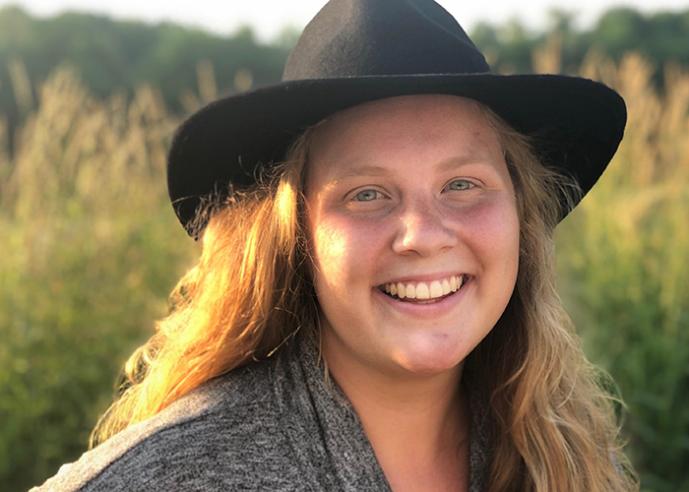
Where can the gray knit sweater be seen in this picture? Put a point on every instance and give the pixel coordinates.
(272, 425)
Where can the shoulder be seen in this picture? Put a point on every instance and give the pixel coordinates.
(211, 438)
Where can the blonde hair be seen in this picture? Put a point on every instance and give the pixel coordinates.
(249, 292)
(555, 427)
(555, 420)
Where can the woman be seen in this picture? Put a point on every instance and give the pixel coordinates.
(374, 307)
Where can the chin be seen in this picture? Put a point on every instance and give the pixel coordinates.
(430, 360)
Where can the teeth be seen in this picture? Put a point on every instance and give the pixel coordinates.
(422, 290)
(447, 288)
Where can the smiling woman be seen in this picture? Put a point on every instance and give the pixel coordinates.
(411, 228)
(395, 229)
(374, 309)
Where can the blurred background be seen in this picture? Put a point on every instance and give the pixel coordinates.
(90, 247)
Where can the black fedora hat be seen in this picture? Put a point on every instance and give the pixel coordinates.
(355, 51)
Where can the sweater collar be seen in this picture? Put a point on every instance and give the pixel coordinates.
(326, 419)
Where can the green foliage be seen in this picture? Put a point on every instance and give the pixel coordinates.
(91, 246)
(624, 258)
(114, 55)
(662, 37)
(91, 250)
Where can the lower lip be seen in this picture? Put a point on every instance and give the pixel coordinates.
(426, 310)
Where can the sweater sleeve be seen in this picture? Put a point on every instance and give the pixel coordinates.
(215, 439)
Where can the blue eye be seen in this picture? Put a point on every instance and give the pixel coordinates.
(460, 185)
(367, 195)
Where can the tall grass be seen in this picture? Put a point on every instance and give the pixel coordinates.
(624, 263)
(90, 248)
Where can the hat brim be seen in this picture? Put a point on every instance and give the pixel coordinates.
(577, 125)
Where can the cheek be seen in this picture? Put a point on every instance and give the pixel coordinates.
(342, 251)
(493, 233)
(329, 247)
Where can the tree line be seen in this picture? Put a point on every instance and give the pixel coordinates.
(112, 55)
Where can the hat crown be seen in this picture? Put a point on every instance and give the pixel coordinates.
(358, 38)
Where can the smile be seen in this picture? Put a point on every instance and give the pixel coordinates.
(436, 289)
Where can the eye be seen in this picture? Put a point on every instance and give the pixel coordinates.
(460, 185)
(367, 195)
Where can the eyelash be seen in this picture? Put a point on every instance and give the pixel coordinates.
(469, 183)
(379, 194)
(367, 190)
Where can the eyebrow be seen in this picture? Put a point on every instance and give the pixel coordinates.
(366, 170)
(373, 170)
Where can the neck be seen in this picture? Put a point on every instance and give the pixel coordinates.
(398, 410)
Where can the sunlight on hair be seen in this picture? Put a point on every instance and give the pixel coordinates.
(285, 206)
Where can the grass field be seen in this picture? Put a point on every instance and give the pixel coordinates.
(91, 249)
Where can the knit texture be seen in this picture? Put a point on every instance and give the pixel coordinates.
(272, 425)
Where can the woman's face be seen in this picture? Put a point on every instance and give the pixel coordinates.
(414, 233)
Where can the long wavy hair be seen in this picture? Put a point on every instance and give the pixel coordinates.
(555, 425)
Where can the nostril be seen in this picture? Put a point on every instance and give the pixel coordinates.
(425, 235)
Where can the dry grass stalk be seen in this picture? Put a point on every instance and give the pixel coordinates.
(547, 58)
(21, 85)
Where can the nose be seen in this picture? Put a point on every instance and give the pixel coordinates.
(423, 230)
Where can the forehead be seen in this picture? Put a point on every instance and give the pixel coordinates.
(421, 127)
